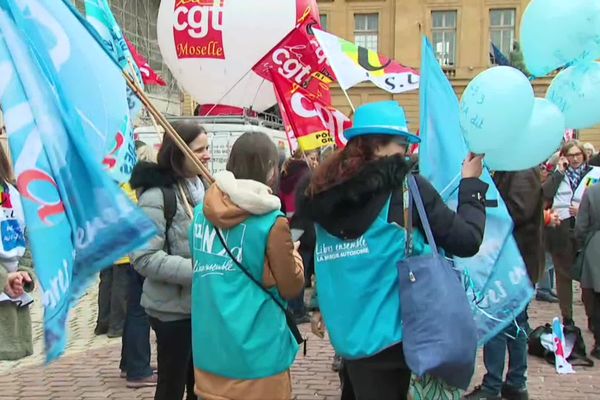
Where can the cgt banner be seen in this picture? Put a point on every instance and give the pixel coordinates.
(300, 59)
(313, 123)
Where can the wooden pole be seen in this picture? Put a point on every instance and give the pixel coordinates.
(169, 130)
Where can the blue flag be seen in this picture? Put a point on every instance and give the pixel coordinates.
(78, 220)
(499, 285)
(122, 157)
(499, 57)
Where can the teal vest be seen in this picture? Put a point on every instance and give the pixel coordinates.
(357, 283)
(238, 331)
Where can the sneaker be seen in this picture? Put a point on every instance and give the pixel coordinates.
(545, 296)
(596, 352)
(336, 365)
(100, 330)
(511, 393)
(149, 381)
(480, 393)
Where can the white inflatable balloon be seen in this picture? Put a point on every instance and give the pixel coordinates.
(210, 46)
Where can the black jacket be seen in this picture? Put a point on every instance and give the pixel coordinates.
(522, 193)
(147, 175)
(349, 209)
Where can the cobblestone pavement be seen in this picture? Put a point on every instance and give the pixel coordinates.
(89, 369)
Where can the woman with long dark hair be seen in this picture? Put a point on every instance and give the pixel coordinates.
(357, 200)
(243, 347)
(169, 192)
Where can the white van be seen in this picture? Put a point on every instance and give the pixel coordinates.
(223, 131)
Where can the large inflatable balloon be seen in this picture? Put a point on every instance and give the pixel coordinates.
(495, 106)
(576, 91)
(535, 144)
(555, 33)
(210, 46)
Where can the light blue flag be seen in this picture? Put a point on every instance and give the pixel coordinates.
(499, 285)
(78, 220)
(101, 18)
(89, 77)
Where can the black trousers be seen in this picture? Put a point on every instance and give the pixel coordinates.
(385, 376)
(112, 299)
(596, 318)
(175, 363)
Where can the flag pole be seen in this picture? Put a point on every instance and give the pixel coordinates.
(349, 101)
(169, 130)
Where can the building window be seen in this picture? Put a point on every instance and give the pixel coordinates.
(443, 36)
(323, 21)
(502, 29)
(366, 30)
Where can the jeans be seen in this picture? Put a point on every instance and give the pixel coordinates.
(175, 364)
(112, 299)
(384, 376)
(135, 350)
(547, 281)
(494, 354)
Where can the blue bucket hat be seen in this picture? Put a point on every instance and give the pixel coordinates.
(381, 118)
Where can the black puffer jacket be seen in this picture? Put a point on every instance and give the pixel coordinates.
(349, 209)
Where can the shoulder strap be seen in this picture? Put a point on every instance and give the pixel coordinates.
(415, 196)
(169, 211)
(396, 210)
(288, 316)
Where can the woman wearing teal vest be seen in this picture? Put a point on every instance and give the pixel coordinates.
(356, 198)
(243, 348)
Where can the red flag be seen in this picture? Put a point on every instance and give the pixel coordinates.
(149, 76)
(313, 123)
(299, 59)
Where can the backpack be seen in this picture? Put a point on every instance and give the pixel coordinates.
(577, 357)
(169, 211)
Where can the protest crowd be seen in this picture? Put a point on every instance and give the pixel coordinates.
(408, 249)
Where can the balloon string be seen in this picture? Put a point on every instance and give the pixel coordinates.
(257, 90)
(228, 92)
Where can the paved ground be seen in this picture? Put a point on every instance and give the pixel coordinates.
(89, 370)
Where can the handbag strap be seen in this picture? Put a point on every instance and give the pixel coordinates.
(416, 199)
(288, 316)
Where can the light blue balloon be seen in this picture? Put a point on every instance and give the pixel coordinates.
(534, 144)
(576, 91)
(495, 106)
(555, 33)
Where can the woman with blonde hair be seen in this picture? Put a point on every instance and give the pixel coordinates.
(563, 190)
(16, 271)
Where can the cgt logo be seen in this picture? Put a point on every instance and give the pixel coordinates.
(198, 28)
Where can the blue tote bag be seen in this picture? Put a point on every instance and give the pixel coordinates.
(439, 332)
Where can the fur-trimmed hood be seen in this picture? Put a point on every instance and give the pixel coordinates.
(347, 210)
(148, 175)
